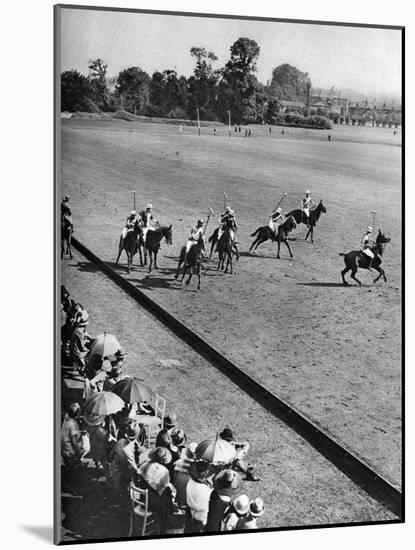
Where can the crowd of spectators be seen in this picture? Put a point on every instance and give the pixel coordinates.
(207, 495)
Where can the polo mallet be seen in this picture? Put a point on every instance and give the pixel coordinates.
(284, 196)
(211, 213)
(373, 212)
(225, 196)
(134, 192)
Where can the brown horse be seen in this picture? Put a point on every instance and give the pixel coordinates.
(192, 261)
(130, 245)
(300, 217)
(357, 258)
(152, 244)
(66, 236)
(213, 239)
(265, 233)
(225, 248)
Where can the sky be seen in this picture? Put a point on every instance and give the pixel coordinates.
(367, 60)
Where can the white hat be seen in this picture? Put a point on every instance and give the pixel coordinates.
(241, 504)
(369, 229)
(149, 205)
(307, 192)
(133, 212)
(279, 209)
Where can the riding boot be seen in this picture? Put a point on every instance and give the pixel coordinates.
(370, 264)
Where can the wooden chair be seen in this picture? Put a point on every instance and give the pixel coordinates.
(149, 521)
(151, 430)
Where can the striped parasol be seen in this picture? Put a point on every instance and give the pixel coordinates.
(216, 451)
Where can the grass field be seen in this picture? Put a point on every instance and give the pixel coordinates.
(333, 352)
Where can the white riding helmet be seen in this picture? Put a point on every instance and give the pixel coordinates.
(241, 504)
(369, 230)
(279, 210)
(133, 213)
(227, 209)
(149, 206)
(307, 192)
(200, 222)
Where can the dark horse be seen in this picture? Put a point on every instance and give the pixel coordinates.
(192, 261)
(225, 250)
(214, 239)
(130, 245)
(300, 217)
(66, 235)
(152, 244)
(265, 233)
(357, 258)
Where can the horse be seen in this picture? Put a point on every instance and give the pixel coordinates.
(357, 258)
(266, 233)
(66, 235)
(192, 261)
(214, 239)
(152, 243)
(300, 217)
(130, 245)
(225, 250)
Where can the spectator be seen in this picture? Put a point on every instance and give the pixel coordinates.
(242, 448)
(256, 509)
(124, 465)
(238, 510)
(178, 443)
(154, 476)
(226, 484)
(114, 376)
(181, 473)
(198, 491)
(71, 436)
(78, 348)
(97, 383)
(169, 423)
(100, 446)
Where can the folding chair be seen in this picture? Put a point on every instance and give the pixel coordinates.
(151, 430)
(149, 521)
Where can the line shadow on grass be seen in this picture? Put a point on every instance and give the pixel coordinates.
(327, 285)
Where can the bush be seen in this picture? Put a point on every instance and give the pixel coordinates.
(177, 113)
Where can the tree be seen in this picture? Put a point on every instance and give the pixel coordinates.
(238, 87)
(76, 92)
(289, 83)
(201, 87)
(133, 86)
(97, 78)
(167, 92)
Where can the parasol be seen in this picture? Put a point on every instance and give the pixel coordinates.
(215, 451)
(132, 390)
(104, 345)
(101, 404)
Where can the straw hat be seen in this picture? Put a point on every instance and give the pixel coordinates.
(256, 507)
(227, 483)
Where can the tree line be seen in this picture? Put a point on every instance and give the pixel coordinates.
(213, 92)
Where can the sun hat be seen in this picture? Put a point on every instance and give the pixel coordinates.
(132, 431)
(227, 483)
(73, 409)
(133, 212)
(256, 507)
(369, 229)
(161, 455)
(170, 421)
(66, 197)
(164, 440)
(149, 206)
(241, 504)
(226, 434)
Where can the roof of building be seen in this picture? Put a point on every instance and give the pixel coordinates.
(292, 103)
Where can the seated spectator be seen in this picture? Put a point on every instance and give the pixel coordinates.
(238, 510)
(242, 448)
(198, 491)
(154, 476)
(117, 360)
(97, 383)
(123, 464)
(71, 436)
(102, 441)
(226, 485)
(181, 473)
(256, 509)
(178, 438)
(114, 376)
(169, 423)
(145, 408)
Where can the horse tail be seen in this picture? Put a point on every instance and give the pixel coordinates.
(210, 239)
(256, 232)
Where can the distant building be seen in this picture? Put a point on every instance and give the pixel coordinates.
(375, 114)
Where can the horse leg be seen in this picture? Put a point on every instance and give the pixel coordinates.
(119, 254)
(288, 246)
(70, 249)
(189, 278)
(212, 247)
(198, 276)
(178, 269)
(128, 262)
(354, 271)
(230, 261)
(278, 251)
(141, 255)
(150, 257)
(184, 271)
(236, 250)
(343, 273)
(381, 273)
(155, 259)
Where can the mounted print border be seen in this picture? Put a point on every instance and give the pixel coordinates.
(229, 274)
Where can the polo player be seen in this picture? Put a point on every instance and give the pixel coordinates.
(129, 224)
(228, 219)
(307, 204)
(146, 217)
(196, 233)
(276, 219)
(365, 246)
